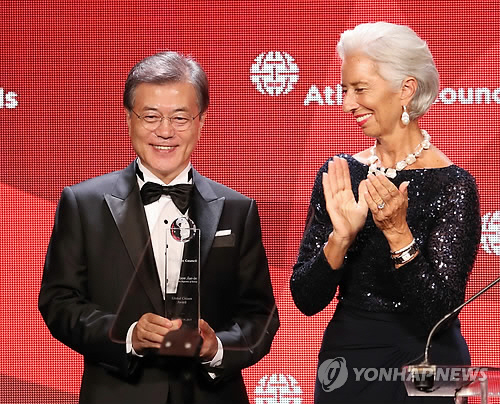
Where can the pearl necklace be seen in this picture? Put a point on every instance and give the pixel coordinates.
(400, 165)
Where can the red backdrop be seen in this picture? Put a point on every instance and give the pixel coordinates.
(274, 119)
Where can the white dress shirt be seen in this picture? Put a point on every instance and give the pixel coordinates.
(160, 216)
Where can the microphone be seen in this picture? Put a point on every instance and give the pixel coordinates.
(423, 374)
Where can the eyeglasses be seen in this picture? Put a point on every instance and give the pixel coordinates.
(180, 121)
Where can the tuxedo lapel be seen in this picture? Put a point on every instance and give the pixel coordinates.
(206, 212)
(128, 212)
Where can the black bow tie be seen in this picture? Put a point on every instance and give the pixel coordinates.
(180, 194)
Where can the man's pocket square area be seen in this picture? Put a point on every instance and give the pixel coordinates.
(223, 240)
(220, 233)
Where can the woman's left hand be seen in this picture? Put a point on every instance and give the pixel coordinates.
(388, 205)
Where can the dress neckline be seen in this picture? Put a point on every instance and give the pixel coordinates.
(406, 170)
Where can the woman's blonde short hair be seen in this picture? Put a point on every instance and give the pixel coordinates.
(398, 53)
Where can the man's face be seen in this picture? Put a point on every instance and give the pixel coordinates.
(165, 151)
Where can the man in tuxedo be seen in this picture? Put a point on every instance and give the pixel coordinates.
(105, 275)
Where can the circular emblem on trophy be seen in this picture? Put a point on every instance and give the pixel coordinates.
(183, 229)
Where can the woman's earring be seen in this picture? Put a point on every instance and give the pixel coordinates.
(405, 117)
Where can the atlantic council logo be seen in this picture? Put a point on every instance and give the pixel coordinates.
(278, 389)
(333, 95)
(274, 73)
(490, 233)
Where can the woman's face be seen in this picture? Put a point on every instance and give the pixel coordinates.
(374, 104)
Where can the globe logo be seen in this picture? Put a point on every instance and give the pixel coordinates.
(490, 233)
(332, 374)
(278, 389)
(183, 229)
(274, 73)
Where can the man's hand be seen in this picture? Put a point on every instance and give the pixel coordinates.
(209, 346)
(150, 331)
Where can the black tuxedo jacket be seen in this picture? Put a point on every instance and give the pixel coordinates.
(100, 250)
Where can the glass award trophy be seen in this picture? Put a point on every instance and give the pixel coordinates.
(146, 290)
(184, 303)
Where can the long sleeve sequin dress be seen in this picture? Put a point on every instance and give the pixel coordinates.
(384, 314)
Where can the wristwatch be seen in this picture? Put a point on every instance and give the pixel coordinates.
(408, 255)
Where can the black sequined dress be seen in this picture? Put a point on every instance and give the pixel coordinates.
(384, 314)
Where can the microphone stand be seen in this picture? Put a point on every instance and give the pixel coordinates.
(423, 373)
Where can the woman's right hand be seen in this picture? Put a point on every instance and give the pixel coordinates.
(346, 214)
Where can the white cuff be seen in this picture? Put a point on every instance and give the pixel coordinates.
(217, 360)
(129, 347)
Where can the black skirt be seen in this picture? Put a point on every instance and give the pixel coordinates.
(362, 354)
